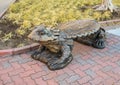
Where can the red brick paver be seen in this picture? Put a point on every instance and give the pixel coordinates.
(90, 66)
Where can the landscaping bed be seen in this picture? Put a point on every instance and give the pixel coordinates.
(23, 15)
(9, 38)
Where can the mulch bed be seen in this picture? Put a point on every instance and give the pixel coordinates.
(15, 41)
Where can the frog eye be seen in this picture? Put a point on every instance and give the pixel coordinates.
(40, 32)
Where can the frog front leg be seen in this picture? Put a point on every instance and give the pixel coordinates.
(64, 60)
(36, 54)
(99, 40)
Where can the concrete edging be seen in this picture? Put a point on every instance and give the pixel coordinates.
(109, 21)
(14, 51)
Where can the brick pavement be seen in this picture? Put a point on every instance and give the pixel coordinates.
(90, 66)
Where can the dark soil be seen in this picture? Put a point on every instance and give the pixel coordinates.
(13, 42)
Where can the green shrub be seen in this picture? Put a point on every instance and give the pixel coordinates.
(28, 13)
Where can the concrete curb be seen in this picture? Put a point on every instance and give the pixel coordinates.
(112, 22)
(14, 51)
